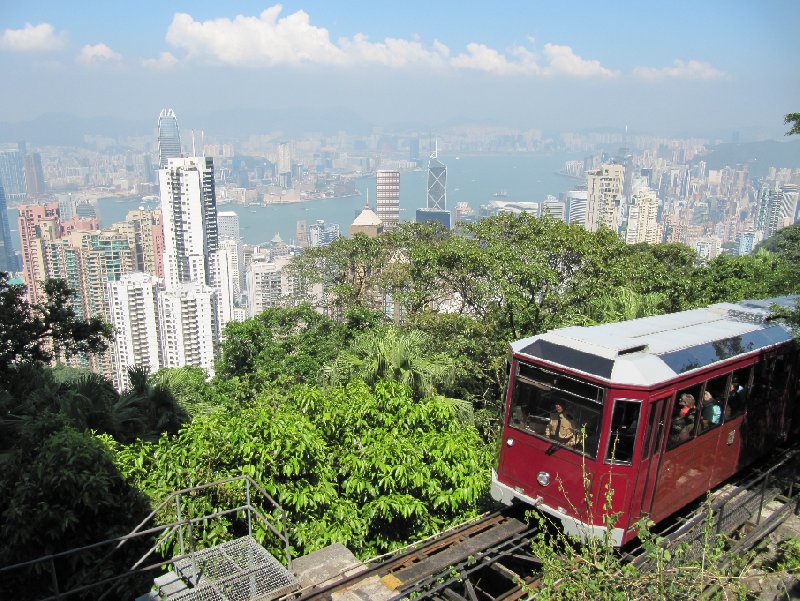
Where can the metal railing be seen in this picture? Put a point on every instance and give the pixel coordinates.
(182, 525)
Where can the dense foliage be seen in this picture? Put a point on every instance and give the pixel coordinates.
(59, 490)
(372, 468)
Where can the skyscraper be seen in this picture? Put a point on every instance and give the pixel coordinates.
(604, 194)
(642, 224)
(133, 311)
(8, 259)
(229, 229)
(387, 196)
(146, 233)
(437, 183)
(34, 175)
(322, 234)
(284, 165)
(12, 175)
(189, 214)
(187, 318)
(33, 223)
(770, 211)
(169, 138)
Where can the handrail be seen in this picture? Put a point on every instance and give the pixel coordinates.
(177, 524)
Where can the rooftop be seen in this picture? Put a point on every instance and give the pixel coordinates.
(650, 350)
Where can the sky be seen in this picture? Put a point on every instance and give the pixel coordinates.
(667, 68)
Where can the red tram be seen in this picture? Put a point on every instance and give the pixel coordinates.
(657, 410)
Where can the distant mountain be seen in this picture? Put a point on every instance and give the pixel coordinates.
(63, 129)
(293, 122)
(759, 156)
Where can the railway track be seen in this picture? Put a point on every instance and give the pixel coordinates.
(490, 559)
(481, 560)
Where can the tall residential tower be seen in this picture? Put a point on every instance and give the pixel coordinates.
(189, 215)
(388, 198)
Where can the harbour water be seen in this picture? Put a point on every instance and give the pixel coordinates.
(474, 179)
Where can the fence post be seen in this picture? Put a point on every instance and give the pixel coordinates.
(249, 508)
(55, 577)
(763, 493)
(286, 540)
(180, 526)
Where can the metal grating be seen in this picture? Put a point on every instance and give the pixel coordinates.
(239, 570)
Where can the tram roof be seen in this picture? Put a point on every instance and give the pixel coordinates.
(651, 350)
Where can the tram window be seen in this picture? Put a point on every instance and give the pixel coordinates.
(655, 427)
(780, 378)
(760, 388)
(539, 408)
(711, 404)
(624, 423)
(737, 393)
(684, 416)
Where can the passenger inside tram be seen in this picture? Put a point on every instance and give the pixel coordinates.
(683, 419)
(560, 427)
(563, 410)
(712, 412)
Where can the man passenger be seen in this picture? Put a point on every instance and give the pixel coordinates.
(560, 428)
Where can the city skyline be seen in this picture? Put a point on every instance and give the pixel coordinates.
(665, 69)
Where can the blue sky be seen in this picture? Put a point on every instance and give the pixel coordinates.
(667, 67)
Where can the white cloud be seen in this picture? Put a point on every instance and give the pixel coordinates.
(562, 60)
(164, 62)
(482, 58)
(33, 38)
(263, 40)
(269, 40)
(681, 70)
(94, 54)
(392, 52)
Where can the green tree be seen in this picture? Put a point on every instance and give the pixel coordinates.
(153, 408)
(349, 270)
(758, 275)
(394, 355)
(189, 386)
(542, 273)
(372, 468)
(794, 119)
(282, 346)
(41, 331)
(60, 490)
(666, 273)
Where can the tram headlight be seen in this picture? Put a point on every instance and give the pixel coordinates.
(543, 478)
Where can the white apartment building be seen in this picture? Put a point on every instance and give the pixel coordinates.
(188, 323)
(387, 198)
(576, 206)
(708, 247)
(555, 208)
(189, 213)
(225, 264)
(269, 283)
(133, 308)
(642, 213)
(604, 195)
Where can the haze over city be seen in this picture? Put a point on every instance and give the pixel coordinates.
(675, 68)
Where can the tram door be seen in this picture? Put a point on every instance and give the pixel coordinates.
(651, 456)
